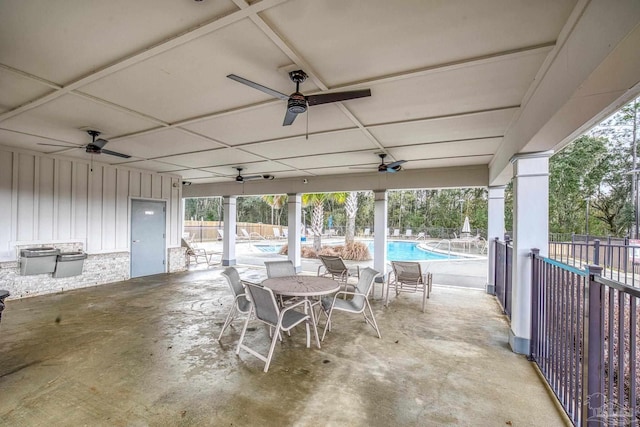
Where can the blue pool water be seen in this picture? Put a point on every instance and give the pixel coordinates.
(396, 251)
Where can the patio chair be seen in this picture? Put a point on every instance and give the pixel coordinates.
(421, 235)
(196, 255)
(396, 232)
(276, 233)
(408, 233)
(240, 304)
(367, 232)
(252, 235)
(285, 233)
(266, 310)
(220, 234)
(281, 269)
(357, 304)
(334, 266)
(408, 277)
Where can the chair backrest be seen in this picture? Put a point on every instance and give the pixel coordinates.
(367, 276)
(244, 233)
(280, 268)
(408, 232)
(396, 232)
(233, 279)
(406, 271)
(220, 233)
(367, 231)
(276, 232)
(333, 264)
(264, 303)
(189, 248)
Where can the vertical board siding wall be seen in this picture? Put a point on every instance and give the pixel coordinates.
(45, 199)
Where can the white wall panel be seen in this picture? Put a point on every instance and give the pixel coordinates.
(108, 208)
(63, 226)
(45, 213)
(26, 196)
(145, 186)
(156, 186)
(122, 208)
(45, 199)
(6, 201)
(80, 201)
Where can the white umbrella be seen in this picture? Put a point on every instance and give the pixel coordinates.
(466, 228)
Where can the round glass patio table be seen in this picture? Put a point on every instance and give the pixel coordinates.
(303, 286)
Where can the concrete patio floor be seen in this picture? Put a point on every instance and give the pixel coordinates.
(144, 352)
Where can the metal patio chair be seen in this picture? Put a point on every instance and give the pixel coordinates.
(240, 304)
(408, 277)
(196, 255)
(335, 267)
(265, 309)
(357, 304)
(281, 269)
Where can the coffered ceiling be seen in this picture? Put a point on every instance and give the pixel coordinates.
(448, 80)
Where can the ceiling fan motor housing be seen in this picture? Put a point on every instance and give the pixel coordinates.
(297, 103)
(93, 149)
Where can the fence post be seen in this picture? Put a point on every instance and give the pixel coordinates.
(596, 251)
(535, 286)
(592, 363)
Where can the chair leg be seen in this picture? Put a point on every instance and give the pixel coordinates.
(228, 320)
(271, 348)
(373, 318)
(425, 295)
(327, 325)
(313, 323)
(244, 330)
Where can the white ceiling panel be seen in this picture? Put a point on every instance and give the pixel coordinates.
(366, 38)
(480, 125)
(63, 118)
(190, 80)
(265, 123)
(152, 165)
(474, 88)
(64, 41)
(329, 160)
(162, 143)
(17, 90)
(193, 173)
(225, 156)
(255, 168)
(352, 140)
(446, 149)
(451, 162)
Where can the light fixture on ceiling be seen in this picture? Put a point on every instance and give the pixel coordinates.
(186, 182)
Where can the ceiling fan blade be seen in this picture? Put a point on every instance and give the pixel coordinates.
(115, 153)
(261, 88)
(59, 145)
(251, 177)
(395, 164)
(100, 143)
(363, 167)
(325, 98)
(289, 118)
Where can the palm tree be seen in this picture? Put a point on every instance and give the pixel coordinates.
(276, 201)
(351, 207)
(317, 217)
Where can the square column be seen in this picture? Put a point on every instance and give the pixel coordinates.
(295, 227)
(229, 239)
(530, 230)
(495, 228)
(380, 234)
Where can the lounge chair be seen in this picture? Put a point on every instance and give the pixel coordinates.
(285, 233)
(240, 304)
(421, 235)
(252, 235)
(408, 233)
(265, 309)
(335, 267)
(396, 232)
(367, 232)
(357, 304)
(196, 255)
(276, 233)
(408, 277)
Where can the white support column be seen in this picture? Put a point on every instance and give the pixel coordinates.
(530, 230)
(380, 233)
(495, 228)
(295, 226)
(229, 240)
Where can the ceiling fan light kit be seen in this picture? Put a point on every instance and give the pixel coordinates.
(297, 102)
(241, 179)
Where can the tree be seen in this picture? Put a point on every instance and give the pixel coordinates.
(351, 208)
(277, 202)
(317, 200)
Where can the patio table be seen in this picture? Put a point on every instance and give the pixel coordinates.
(303, 286)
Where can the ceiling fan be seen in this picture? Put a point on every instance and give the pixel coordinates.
(242, 179)
(94, 147)
(297, 102)
(383, 167)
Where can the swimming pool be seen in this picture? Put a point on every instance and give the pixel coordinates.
(396, 251)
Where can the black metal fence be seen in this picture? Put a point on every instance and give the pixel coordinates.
(503, 266)
(584, 338)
